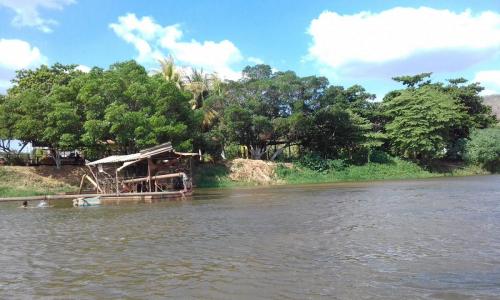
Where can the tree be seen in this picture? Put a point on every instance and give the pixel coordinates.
(248, 129)
(257, 72)
(40, 108)
(134, 110)
(412, 81)
(483, 148)
(334, 132)
(63, 123)
(199, 86)
(420, 122)
(479, 115)
(170, 72)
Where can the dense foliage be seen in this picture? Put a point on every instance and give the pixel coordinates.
(484, 148)
(123, 109)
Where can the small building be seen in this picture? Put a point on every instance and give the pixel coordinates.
(159, 170)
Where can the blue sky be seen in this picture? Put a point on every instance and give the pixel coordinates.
(350, 42)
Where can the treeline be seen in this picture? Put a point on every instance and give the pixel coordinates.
(123, 109)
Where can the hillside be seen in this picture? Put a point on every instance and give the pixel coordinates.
(494, 102)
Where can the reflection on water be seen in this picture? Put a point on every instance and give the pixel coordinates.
(433, 239)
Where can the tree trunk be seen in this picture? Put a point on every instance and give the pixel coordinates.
(278, 152)
(57, 157)
(257, 151)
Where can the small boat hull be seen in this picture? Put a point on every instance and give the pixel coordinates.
(87, 201)
(132, 199)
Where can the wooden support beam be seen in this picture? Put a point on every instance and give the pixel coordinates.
(153, 177)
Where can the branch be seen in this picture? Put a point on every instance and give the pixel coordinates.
(24, 145)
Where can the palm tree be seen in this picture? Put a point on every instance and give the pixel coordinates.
(198, 84)
(170, 72)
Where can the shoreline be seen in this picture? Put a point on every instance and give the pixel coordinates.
(29, 181)
(348, 183)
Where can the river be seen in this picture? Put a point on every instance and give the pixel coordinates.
(424, 239)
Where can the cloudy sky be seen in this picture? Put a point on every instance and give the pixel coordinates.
(350, 42)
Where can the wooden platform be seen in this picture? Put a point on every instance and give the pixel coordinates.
(143, 198)
(147, 197)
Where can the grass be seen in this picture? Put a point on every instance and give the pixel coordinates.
(215, 176)
(19, 182)
(397, 169)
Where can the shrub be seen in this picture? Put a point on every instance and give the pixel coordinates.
(317, 163)
(483, 148)
(314, 162)
(337, 164)
(232, 151)
(381, 157)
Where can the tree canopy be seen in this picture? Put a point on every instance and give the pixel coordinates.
(124, 108)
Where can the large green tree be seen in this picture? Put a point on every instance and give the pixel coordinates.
(421, 120)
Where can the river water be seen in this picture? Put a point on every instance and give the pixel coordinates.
(426, 239)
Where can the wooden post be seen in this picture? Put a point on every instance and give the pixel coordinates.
(95, 177)
(116, 179)
(191, 167)
(81, 184)
(149, 173)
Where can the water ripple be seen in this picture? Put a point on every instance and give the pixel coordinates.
(428, 239)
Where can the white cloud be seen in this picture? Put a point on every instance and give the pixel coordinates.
(255, 60)
(83, 68)
(489, 79)
(14, 55)
(28, 14)
(403, 38)
(19, 54)
(150, 40)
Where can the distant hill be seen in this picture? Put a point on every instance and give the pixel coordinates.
(494, 102)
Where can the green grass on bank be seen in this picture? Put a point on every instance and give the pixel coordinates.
(19, 184)
(397, 169)
(217, 175)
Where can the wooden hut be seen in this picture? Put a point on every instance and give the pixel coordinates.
(151, 174)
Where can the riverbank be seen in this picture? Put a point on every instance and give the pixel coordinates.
(18, 181)
(242, 172)
(46, 180)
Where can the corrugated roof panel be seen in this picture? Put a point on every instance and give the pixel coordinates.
(115, 159)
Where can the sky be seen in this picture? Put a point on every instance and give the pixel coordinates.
(349, 42)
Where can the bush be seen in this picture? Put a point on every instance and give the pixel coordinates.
(483, 148)
(381, 157)
(317, 163)
(337, 164)
(232, 151)
(314, 162)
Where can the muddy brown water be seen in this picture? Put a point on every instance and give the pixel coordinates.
(425, 239)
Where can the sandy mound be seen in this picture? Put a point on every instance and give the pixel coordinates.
(249, 170)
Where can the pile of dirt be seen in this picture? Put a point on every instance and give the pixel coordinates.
(255, 171)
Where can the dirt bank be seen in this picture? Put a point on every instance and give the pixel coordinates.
(254, 171)
(234, 173)
(22, 181)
